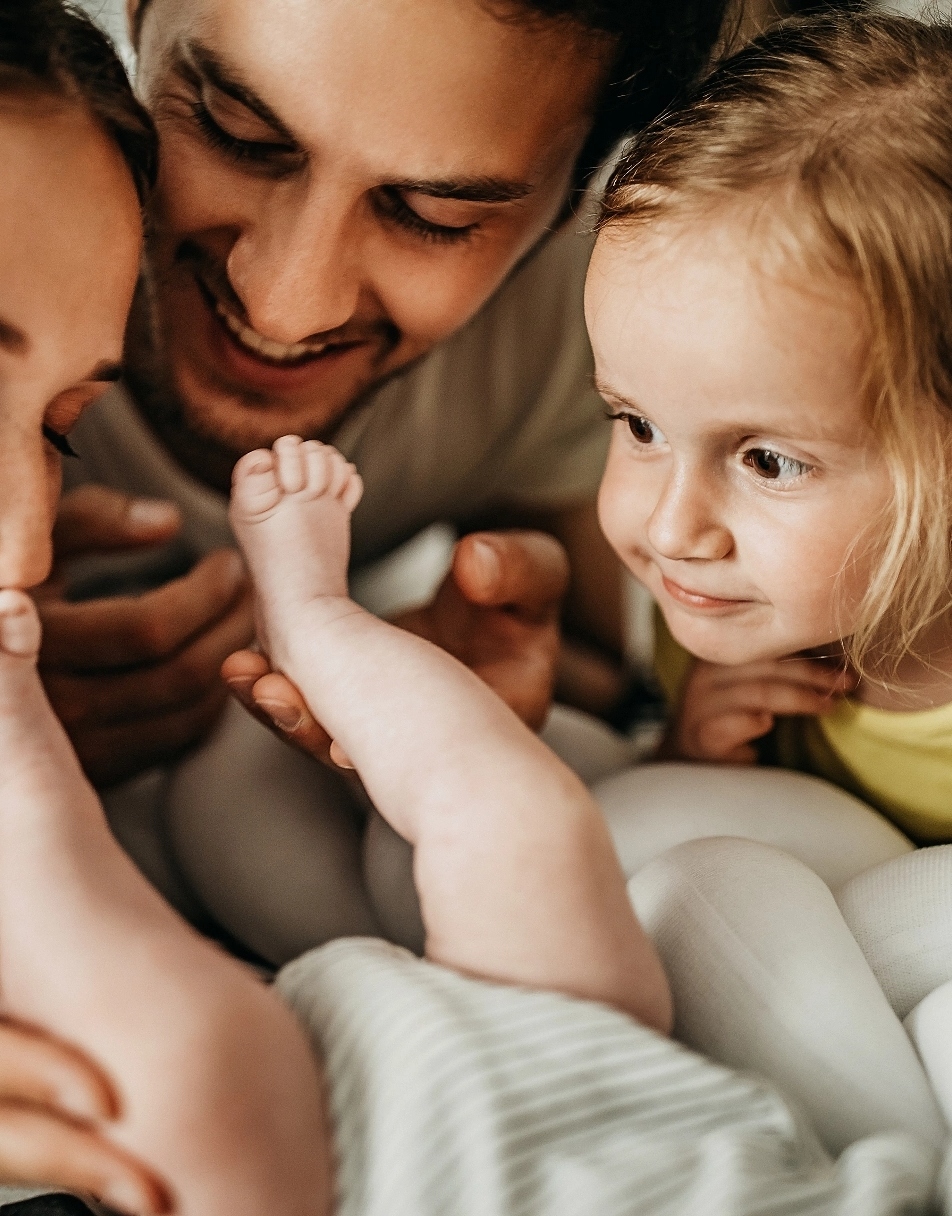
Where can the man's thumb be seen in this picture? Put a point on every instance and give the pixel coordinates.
(96, 517)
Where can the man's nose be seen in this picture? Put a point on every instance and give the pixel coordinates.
(686, 522)
(26, 551)
(296, 267)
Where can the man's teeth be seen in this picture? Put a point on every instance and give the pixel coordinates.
(277, 352)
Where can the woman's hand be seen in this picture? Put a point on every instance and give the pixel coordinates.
(724, 709)
(53, 1104)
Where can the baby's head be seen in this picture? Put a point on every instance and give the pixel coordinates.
(77, 154)
(770, 304)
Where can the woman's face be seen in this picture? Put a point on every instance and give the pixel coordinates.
(70, 235)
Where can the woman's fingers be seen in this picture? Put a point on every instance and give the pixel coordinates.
(40, 1071)
(38, 1148)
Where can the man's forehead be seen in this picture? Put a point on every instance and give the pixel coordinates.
(426, 79)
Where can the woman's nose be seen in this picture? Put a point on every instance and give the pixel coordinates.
(297, 269)
(685, 524)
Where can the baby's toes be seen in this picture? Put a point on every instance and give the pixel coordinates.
(19, 625)
(291, 463)
(353, 490)
(340, 474)
(317, 458)
(255, 488)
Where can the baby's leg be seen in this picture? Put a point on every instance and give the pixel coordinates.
(516, 873)
(766, 976)
(217, 1084)
(269, 840)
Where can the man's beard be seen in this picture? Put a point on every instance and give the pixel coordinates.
(208, 451)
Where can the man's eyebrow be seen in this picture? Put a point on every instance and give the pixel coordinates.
(12, 339)
(466, 189)
(228, 81)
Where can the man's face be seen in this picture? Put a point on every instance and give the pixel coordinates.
(343, 184)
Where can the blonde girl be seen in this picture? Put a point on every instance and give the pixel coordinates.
(770, 305)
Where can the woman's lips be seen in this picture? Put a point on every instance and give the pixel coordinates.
(696, 599)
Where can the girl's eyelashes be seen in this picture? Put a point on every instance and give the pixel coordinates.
(58, 441)
(774, 466)
(642, 431)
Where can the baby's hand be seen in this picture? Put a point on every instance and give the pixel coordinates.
(724, 709)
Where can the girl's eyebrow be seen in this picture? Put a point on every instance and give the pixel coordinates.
(606, 390)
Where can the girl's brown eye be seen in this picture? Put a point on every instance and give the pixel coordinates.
(774, 466)
(641, 428)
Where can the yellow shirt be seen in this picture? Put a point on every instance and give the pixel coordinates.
(900, 763)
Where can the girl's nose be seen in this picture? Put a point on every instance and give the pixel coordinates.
(685, 524)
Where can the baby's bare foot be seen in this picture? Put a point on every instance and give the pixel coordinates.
(290, 509)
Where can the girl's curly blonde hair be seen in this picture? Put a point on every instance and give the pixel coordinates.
(842, 125)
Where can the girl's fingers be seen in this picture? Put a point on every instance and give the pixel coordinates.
(36, 1148)
(774, 698)
(727, 737)
(808, 673)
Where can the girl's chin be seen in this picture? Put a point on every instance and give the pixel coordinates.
(725, 646)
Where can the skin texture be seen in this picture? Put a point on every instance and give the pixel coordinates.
(321, 234)
(517, 876)
(70, 236)
(744, 482)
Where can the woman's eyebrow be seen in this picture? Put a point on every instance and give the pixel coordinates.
(228, 80)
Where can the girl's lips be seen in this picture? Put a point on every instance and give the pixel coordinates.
(694, 599)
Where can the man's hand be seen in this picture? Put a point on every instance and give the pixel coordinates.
(52, 1104)
(497, 611)
(136, 679)
(724, 709)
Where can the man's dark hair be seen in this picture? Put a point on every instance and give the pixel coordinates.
(49, 47)
(661, 47)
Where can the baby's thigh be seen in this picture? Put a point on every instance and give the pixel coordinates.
(269, 840)
(653, 807)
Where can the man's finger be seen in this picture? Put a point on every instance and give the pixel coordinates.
(525, 571)
(145, 692)
(38, 1149)
(274, 701)
(95, 518)
(125, 630)
(114, 753)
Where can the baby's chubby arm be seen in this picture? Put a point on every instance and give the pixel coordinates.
(724, 709)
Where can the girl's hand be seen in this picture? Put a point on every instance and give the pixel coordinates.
(52, 1105)
(724, 709)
